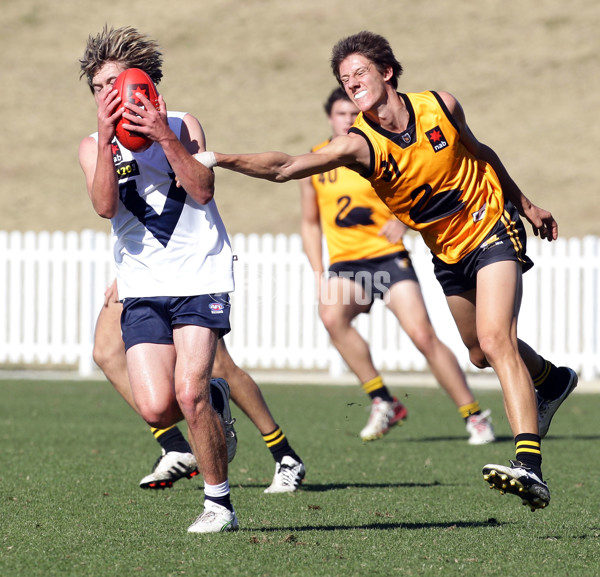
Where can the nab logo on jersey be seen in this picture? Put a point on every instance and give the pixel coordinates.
(437, 139)
(116, 152)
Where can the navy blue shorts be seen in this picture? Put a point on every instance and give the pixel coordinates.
(376, 275)
(151, 319)
(506, 241)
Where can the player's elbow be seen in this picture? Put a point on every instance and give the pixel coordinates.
(206, 198)
(201, 189)
(204, 194)
(105, 210)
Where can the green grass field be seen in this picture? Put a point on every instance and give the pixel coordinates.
(413, 503)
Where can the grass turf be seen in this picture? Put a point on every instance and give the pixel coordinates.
(413, 503)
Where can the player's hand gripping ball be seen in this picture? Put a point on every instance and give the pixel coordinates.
(128, 83)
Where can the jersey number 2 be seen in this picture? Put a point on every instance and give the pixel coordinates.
(431, 207)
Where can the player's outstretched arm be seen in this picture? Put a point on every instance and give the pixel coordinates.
(273, 166)
(347, 150)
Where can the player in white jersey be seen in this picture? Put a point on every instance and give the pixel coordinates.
(166, 243)
(174, 262)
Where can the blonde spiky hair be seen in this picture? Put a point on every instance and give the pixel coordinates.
(125, 45)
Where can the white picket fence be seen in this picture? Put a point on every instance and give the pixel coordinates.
(52, 288)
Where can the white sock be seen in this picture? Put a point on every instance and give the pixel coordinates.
(220, 490)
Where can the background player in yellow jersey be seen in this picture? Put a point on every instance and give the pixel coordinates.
(427, 166)
(367, 260)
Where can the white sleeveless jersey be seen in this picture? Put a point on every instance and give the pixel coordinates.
(165, 243)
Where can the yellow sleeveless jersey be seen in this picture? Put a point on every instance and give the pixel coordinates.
(430, 181)
(351, 215)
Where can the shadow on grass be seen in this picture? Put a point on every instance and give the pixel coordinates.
(335, 486)
(322, 488)
(493, 523)
(501, 438)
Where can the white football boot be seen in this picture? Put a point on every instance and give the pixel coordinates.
(214, 519)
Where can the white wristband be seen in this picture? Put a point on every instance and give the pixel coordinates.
(206, 158)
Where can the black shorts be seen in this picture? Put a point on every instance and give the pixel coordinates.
(151, 319)
(376, 275)
(506, 241)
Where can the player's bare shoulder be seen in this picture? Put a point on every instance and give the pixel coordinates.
(449, 100)
(350, 150)
(88, 151)
(192, 134)
(453, 105)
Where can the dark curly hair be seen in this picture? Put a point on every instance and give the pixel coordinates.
(372, 46)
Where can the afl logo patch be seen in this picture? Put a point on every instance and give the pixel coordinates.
(216, 308)
(437, 139)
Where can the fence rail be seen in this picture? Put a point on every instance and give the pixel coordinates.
(52, 287)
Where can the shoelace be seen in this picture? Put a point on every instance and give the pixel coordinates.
(289, 476)
(480, 422)
(378, 409)
(229, 424)
(206, 516)
(480, 425)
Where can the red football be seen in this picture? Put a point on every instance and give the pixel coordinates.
(128, 83)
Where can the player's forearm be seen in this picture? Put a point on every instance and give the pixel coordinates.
(265, 165)
(509, 187)
(104, 192)
(197, 180)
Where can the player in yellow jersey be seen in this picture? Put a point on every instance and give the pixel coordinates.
(368, 259)
(427, 166)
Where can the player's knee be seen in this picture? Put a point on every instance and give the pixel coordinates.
(106, 351)
(477, 357)
(326, 317)
(425, 341)
(158, 417)
(191, 402)
(492, 347)
(331, 320)
(101, 355)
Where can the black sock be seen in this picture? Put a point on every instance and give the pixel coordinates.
(375, 388)
(278, 444)
(551, 381)
(528, 451)
(171, 439)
